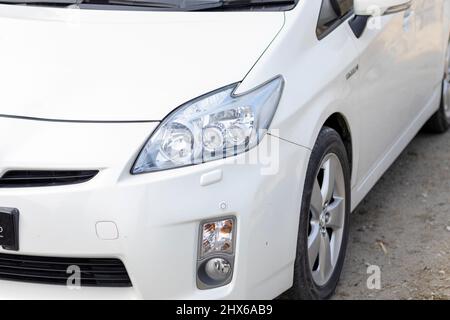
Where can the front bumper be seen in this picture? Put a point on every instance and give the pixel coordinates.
(157, 215)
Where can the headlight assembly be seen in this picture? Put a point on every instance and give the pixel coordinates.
(215, 126)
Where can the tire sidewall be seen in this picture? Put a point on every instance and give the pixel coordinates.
(445, 119)
(329, 142)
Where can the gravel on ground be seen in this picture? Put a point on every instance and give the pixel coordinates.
(403, 227)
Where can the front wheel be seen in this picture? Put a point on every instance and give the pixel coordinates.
(323, 229)
(440, 121)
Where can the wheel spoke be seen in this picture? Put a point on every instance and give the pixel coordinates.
(336, 212)
(325, 266)
(313, 245)
(316, 201)
(328, 180)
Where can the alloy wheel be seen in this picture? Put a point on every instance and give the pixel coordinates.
(327, 218)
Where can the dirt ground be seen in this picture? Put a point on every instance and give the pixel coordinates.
(403, 226)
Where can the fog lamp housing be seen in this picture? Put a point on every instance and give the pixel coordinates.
(216, 252)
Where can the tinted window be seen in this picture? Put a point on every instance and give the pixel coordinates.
(331, 13)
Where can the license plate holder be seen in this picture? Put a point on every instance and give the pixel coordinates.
(9, 228)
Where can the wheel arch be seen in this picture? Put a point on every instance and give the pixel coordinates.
(338, 122)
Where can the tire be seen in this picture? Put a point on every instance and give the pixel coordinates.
(440, 121)
(310, 281)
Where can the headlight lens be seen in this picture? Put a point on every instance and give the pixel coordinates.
(215, 126)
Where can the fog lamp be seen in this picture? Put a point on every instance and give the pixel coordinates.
(218, 269)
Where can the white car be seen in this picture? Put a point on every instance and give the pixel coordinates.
(203, 149)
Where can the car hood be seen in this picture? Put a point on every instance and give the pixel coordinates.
(107, 65)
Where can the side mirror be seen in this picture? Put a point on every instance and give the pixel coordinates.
(364, 9)
(380, 7)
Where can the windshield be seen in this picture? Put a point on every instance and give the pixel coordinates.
(165, 5)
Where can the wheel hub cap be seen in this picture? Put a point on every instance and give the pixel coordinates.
(323, 220)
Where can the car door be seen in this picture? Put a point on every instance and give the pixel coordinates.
(386, 96)
(429, 28)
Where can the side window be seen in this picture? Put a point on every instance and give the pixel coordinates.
(331, 15)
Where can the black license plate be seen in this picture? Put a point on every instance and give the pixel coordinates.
(9, 228)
